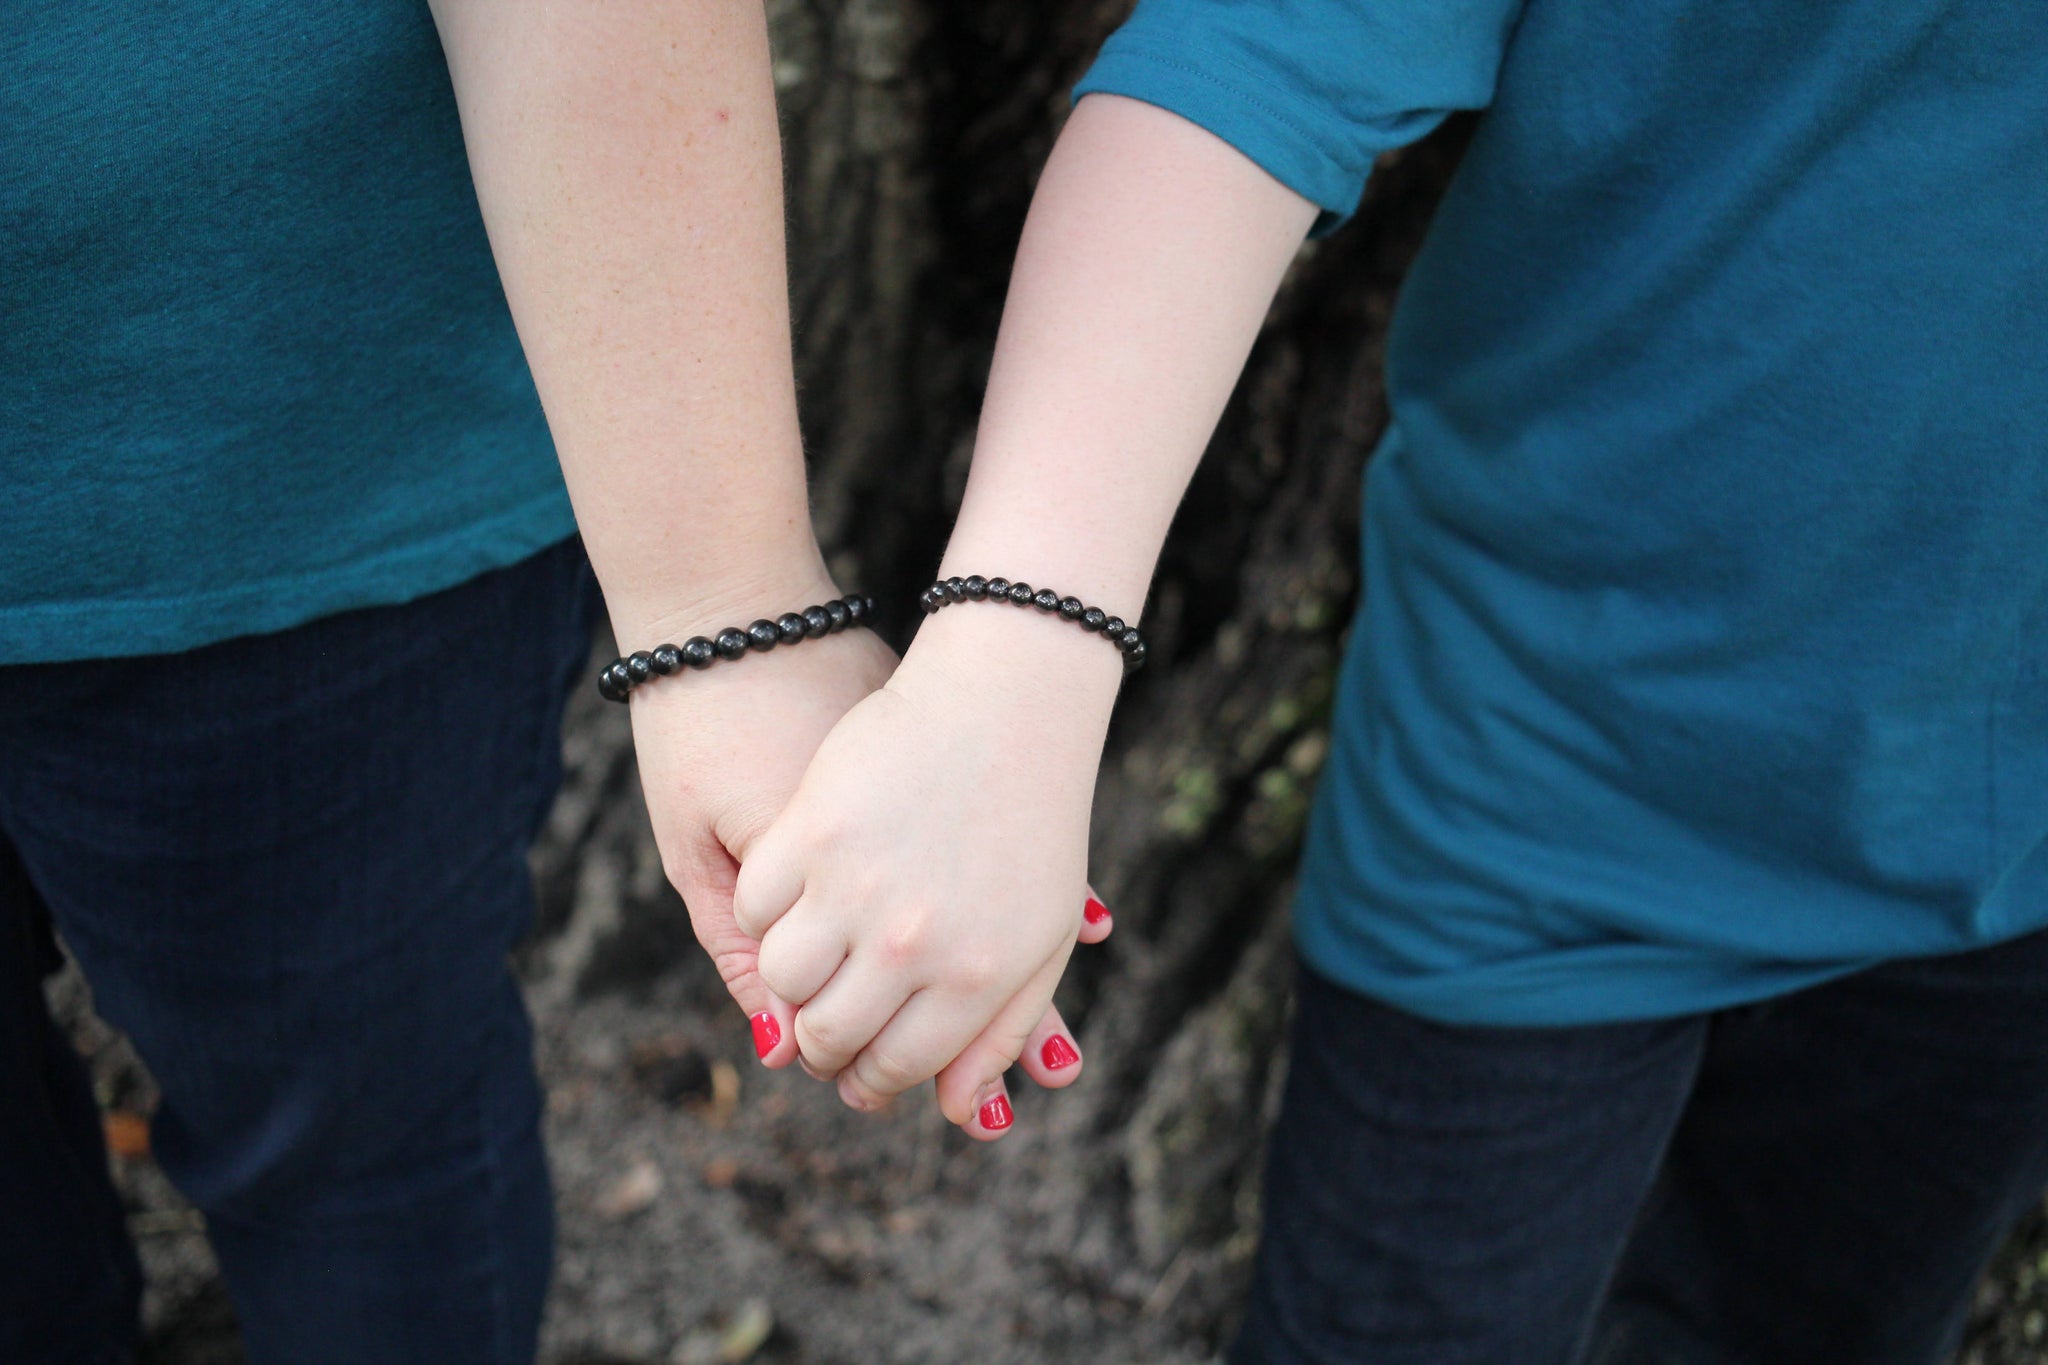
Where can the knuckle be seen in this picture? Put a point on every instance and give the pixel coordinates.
(735, 967)
(778, 970)
(828, 1038)
(901, 944)
(885, 1073)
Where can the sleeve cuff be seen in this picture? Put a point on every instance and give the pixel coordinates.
(1282, 139)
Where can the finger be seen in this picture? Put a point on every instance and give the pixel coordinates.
(992, 1113)
(968, 1082)
(706, 889)
(774, 1031)
(799, 955)
(907, 1051)
(770, 881)
(1096, 921)
(1051, 1057)
(846, 1015)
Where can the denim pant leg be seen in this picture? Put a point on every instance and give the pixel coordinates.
(1441, 1195)
(1852, 1157)
(292, 868)
(70, 1288)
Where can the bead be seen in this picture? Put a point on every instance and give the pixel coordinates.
(1134, 657)
(1020, 593)
(840, 616)
(791, 627)
(956, 589)
(867, 600)
(1045, 599)
(977, 587)
(1130, 639)
(639, 666)
(1071, 608)
(698, 652)
(666, 659)
(856, 608)
(763, 635)
(816, 622)
(1093, 618)
(998, 589)
(608, 685)
(731, 643)
(930, 600)
(1113, 627)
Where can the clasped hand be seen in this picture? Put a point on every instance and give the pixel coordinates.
(908, 912)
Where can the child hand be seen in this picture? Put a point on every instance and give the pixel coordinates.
(919, 894)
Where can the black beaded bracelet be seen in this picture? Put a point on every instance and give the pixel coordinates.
(792, 627)
(975, 588)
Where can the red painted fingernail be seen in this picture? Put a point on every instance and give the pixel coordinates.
(1058, 1052)
(1096, 912)
(995, 1115)
(767, 1033)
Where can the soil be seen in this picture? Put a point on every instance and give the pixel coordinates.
(712, 1211)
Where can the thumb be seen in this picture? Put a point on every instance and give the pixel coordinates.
(706, 884)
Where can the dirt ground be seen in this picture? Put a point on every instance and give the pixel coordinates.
(711, 1211)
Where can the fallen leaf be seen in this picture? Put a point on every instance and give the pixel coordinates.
(749, 1329)
(632, 1192)
(725, 1094)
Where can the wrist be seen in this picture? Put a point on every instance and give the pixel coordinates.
(1019, 662)
(763, 583)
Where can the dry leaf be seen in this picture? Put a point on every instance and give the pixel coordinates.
(637, 1189)
(725, 1094)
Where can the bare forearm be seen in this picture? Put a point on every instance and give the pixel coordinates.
(1152, 253)
(627, 160)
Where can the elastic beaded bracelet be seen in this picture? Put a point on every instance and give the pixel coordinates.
(975, 588)
(621, 675)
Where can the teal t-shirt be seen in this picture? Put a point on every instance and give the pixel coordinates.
(1703, 651)
(255, 363)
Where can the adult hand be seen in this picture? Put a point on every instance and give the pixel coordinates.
(720, 753)
(924, 888)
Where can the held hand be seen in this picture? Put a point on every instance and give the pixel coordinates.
(720, 753)
(921, 894)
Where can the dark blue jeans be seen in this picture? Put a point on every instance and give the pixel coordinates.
(1814, 1181)
(292, 868)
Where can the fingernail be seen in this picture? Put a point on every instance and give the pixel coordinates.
(767, 1033)
(995, 1115)
(1095, 912)
(1058, 1052)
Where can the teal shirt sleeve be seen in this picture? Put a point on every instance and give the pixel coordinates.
(1311, 90)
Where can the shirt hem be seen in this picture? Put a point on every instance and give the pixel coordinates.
(130, 628)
